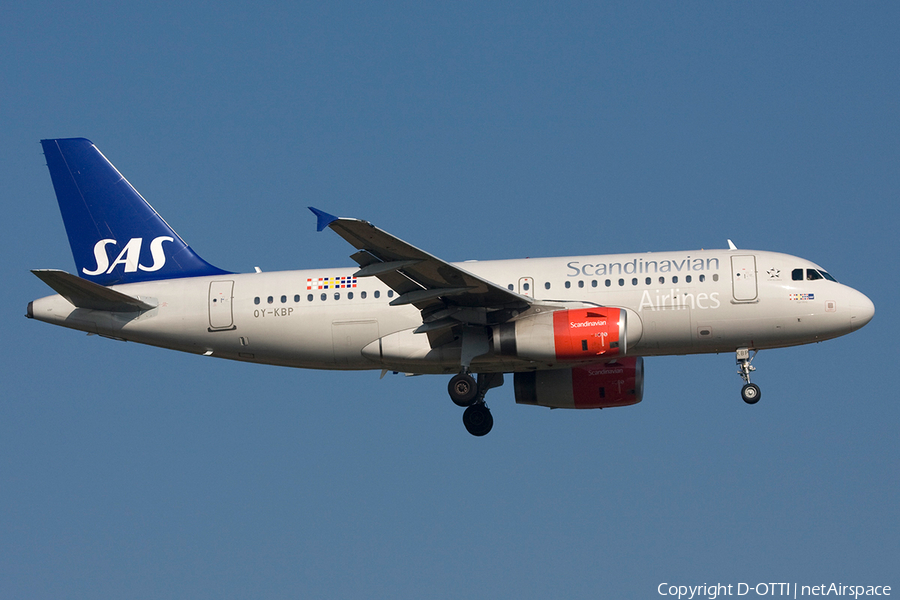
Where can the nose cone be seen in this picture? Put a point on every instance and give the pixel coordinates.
(861, 311)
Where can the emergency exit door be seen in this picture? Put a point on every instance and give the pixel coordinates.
(526, 286)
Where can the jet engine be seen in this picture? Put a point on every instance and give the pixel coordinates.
(577, 335)
(618, 382)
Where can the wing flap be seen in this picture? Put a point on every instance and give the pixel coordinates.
(375, 269)
(420, 296)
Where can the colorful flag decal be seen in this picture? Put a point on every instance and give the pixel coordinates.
(330, 283)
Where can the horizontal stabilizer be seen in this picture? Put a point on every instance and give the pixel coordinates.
(87, 294)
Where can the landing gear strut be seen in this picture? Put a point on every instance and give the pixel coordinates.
(750, 392)
(466, 391)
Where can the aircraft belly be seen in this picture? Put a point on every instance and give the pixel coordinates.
(666, 327)
(349, 337)
(318, 337)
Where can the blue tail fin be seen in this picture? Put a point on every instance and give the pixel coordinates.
(115, 235)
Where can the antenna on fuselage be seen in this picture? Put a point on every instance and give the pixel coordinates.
(731, 245)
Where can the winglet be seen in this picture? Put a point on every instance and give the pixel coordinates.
(323, 218)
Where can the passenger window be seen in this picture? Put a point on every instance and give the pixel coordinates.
(621, 282)
(647, 281)
(568, 284)
(525, 286)
(337, 295)
(675, 279)
(715, 276)
(702, 278)
(256, 300)
(284, 299)
(309, 298)
(797, 274)
(296, 297)
(581, 284)
(510, 287)
(634, 281)
(608, 283)
(687, 278)
(362, 295)
(662, 280)
(390, 293)
(324, 297)
(377, 294)
(349, 295)
(593, 283)
(270, 299)
(546, 285)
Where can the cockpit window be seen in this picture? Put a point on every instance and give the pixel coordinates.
(811, 275)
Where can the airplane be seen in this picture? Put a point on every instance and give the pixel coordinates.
(572, 330)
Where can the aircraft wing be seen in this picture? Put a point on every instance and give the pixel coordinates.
(446, 294)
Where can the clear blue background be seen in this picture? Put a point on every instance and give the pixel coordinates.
(473, 130)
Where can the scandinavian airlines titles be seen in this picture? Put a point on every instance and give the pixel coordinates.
(640, 266)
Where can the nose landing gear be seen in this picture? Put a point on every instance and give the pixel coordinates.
(466, 391)
(750, 393)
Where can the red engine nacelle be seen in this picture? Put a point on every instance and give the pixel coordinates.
(565, 335)
(618, 382)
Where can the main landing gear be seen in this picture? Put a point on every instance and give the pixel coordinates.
(750, 392)
(466, 391)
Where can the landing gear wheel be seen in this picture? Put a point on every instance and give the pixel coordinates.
(750, 393)
(463, 390)
(478, 420)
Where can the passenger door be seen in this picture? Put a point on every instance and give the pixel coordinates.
(743, 278)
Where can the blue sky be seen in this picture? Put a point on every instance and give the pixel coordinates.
(472, 130)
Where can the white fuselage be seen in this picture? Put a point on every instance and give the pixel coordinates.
(678, 303)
